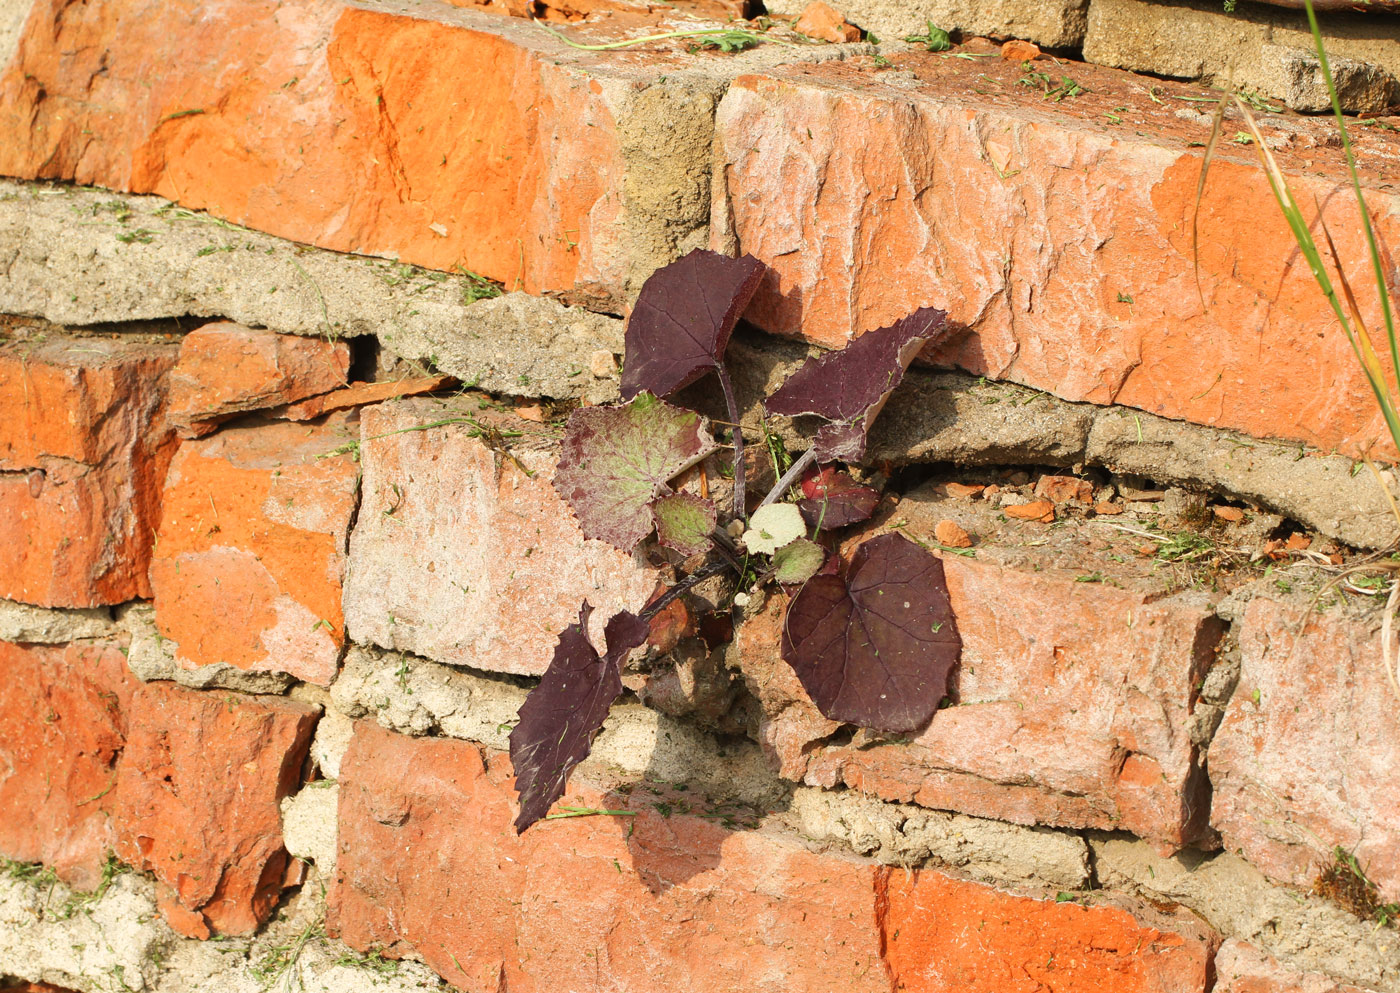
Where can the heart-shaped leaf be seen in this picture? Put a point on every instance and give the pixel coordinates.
(684, 522)
(616, 458)
(834, 499)
(849, 387)
(876, 645)
(683, 318)
(562, 715)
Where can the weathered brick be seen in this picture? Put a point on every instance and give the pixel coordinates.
(1242, 968)
(1063, 242)
(83, 452)
(1308, 755)
(1072, 699)
(198, 794)
(227, 369)
(63, 726)
(464, 139)
(459, 555)
(945, 934)
(251, 548)
(668, 898)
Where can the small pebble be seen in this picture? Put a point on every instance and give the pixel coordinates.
(1105, 509)
(1038, 510)
(1232, 514)
(602, 364)
(1020, 51)
(952, 535)
(963, 490)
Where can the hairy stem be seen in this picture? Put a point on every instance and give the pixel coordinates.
(794, 473)
(696, 577)
(728, 387)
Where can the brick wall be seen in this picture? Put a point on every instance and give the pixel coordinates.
(280, 557)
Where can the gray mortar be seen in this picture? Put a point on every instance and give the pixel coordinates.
(309, 824)
(152, 657)
(992, 851)
(1051, 23)
(1234, 898)
(1193, 39)
(19, 622)
(118, 943)
(60, 260)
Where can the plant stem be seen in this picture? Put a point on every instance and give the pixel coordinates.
(794, 473)
(739, 466)
(661, 37)
(696, 577)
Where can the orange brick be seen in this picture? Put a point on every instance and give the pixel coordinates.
(461, 556)
(251, 549)
(1291, 787)
(1242, 968)
(949, 935)
(1073, 701)
(227, 369)
(197, 799)
(83, 452)
(428, 857)
(63, 726)
(848, 185)
(439, 137)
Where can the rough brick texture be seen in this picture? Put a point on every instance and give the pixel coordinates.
(63, 726)
(1073, 700)
(83, 451)
(1308, 755)
(460, 556)
(669, 899)
(348, 128)
(198, 797)
(252, 548)
(227, 369)
(1242, 968)
(1063, 243)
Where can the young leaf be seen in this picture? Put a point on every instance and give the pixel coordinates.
(834, 499)
(561, 716)
(615, 460)
(684, 522)
(798, 561)
(849, 387)
(684, 316)
(875, 647)
(772, 527)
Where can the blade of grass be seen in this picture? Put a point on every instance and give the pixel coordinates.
(1200, 195)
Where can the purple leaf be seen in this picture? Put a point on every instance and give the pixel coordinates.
(834, 499)
(684, 522)
(562, 715)
(849, 387)
(684, 316)
(615, 460)
(875, 647)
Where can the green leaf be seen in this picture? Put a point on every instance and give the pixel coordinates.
(798, 561)
(684, 522)
(617, 458)
(772, 527)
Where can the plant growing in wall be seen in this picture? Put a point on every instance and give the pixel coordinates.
(872, 639)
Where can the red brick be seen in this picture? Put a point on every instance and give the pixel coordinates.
(439, 137)
(460, 556)
(428, 861)
(361, 394)
(83, 451)
(251, 548)
(1072, 699)
(1308, 755)
(197, 798)
(1062, 241)
(227, 369)
(952, 936)
(1242, 968)
(63, 725)
(1064, 489)
(820, 20)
